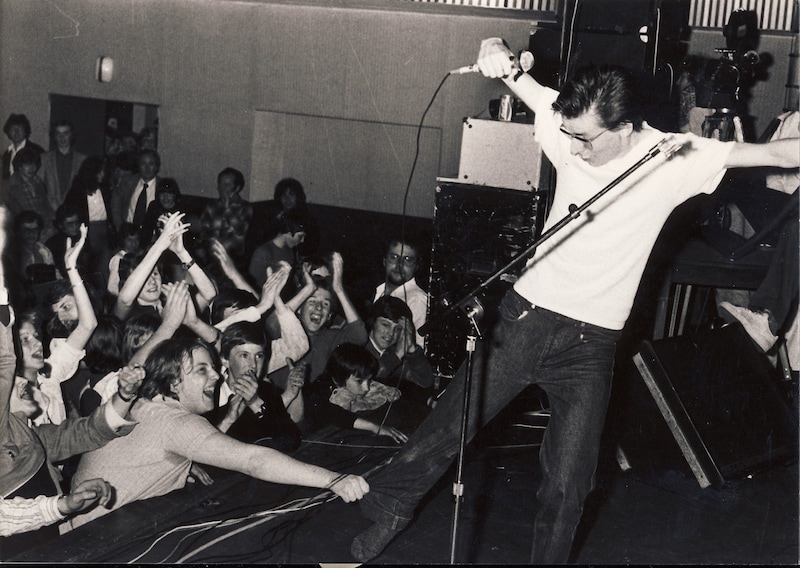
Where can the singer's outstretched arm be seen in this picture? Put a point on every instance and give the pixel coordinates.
(780, 154)
(497, 61)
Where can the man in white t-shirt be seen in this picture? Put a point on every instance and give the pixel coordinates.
(559, 325)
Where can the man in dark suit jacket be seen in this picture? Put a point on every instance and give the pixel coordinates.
(18, 130)
(125, 198)
(60, 166)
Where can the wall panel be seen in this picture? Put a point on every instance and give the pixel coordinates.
(348, 163)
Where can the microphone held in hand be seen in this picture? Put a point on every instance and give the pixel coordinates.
(525, 64)
(466, 69)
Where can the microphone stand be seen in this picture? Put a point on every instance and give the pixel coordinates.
(471, 305)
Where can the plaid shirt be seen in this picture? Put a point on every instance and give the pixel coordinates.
(228, 224)
(21, 195)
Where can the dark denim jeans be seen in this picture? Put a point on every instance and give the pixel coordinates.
(572, 362)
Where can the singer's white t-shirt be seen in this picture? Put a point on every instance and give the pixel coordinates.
(590, 270)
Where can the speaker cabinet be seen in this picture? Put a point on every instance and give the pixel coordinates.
(476, 231)
(711, 398)
(500, 154)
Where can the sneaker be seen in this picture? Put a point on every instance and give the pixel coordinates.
(756, 324)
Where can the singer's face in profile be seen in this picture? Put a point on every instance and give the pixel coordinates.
(592, 142)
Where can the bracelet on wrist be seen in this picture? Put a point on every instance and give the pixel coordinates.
(187, 265)
(261, 411)
(124, 399)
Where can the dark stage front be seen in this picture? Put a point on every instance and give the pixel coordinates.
(646, 515)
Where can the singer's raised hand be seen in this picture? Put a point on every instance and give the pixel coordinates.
(495, 59)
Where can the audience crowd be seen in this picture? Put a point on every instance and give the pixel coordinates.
(139, 339)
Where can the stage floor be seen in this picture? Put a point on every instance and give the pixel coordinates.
(659, 518)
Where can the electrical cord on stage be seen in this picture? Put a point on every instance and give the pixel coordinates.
(348, 445)
(265, 516)
(324, 496)
(292, 506)
(260, 519)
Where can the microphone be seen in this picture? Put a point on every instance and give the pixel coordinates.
(525, 65)
(466, 69)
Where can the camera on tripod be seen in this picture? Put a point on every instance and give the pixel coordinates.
(740, 64)
(723, 83)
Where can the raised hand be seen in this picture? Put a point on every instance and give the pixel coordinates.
(174, 310)
(221, 254)
(495, 59)
(406, 338)
(308, 280)
(273, 286)
(190, 318)
(73, 250)
(176, 244)
(297, 377)
(337, 263)
(174, 228)
(129, 380)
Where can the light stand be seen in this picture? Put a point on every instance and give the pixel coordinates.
(471, 305)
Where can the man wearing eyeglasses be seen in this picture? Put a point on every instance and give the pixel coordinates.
(401, 262)
(558, 326)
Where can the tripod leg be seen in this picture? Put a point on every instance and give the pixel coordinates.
(738, 132)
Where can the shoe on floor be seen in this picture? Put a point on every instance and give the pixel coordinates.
(756, 324)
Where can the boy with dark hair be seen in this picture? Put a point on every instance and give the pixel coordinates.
(18, 129)
(402, 363)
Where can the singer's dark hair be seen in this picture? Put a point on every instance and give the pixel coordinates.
(608, 90)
